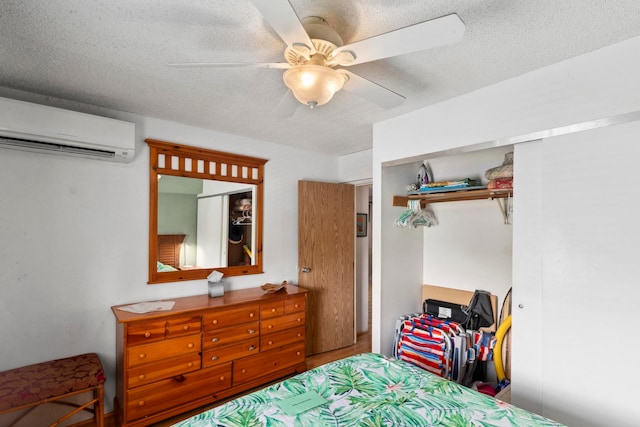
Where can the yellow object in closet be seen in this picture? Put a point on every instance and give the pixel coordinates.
(497, 352)
(247, 250)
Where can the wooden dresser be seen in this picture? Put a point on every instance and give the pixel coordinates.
(205, 349)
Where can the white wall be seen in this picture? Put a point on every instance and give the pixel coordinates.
(471, 246)
(356, 167)
(598, 85)
(396, 256)
(74, 237)
(362, 262)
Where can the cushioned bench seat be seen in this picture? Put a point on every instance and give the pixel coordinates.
(30, 386)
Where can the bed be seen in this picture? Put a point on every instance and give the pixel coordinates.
(169, 251)
(366, 390)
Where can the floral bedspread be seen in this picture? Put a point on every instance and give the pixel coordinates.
(368, 390)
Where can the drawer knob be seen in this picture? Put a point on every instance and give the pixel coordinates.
(190, 365)
(251, 331)
(299, 334)
(252, 347)
(299, 319)
(214, 321)
(216, 339)
(270, 342)
(251, 314)
(297, 353)
(214, 358)
(270, 326)
(222, 378)
(185, 328)
(273, 310)
(142, 355)
(141, 377)
(141, 403)
(147, 334)
(296, 305)
(244, 371)
(190, 345)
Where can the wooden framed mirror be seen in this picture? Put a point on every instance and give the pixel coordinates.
(205, 212)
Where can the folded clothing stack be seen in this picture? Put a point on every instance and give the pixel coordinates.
(500, 183)
(448, 185)
(501, 177)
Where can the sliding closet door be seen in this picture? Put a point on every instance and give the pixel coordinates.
(326, 247)
(212, 234)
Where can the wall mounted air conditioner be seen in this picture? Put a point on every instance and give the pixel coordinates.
(32, 127)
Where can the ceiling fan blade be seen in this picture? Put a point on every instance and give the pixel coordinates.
(283, 19)
(287, 106)
(442, 31)
(375, 93)
(278, 65)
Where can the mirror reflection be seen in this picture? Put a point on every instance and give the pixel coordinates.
(204, 223)
(205, 212)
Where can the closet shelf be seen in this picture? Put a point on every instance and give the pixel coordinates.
(453, 196)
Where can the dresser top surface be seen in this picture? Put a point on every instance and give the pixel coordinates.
(203, 302)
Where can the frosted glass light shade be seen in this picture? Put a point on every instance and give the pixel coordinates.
(313, 84)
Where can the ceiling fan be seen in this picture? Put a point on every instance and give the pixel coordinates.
(315, 54)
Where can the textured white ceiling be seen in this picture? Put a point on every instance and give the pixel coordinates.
(113, 54)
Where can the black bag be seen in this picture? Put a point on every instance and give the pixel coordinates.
(479, 312)
(446, 310)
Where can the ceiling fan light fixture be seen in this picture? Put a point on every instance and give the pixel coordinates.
(313, 84)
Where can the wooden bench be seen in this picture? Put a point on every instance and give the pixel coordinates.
(49, 382)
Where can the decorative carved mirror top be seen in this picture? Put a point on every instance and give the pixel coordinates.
(206, 215)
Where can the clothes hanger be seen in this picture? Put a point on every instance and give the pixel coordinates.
(415, 216)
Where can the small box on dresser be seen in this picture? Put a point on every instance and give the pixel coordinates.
(205, 349)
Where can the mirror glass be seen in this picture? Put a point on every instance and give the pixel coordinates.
(205, 213)
(214, 218)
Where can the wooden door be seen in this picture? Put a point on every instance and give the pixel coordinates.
(326, 247)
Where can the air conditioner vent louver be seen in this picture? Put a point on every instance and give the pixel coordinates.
(23, 144)
(38, 128)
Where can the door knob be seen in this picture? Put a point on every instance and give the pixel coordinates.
(305, 269)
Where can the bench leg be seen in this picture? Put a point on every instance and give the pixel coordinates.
(98, 407)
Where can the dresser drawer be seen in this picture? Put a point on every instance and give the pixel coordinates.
(250, 368)
(143, 332)
(271, 309)
(231, 317)
(279, 339)
(295, 304)
(183, 326)
(148, 353)
(222, 337)
(168, 368)
(168, 363)
(226, 354)
(165, 394)
(281, 323)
